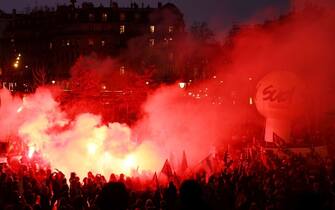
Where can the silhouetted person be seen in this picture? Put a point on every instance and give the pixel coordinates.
(191, 196)
(113, 196)
(170, 196)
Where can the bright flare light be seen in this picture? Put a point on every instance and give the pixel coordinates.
(31, 151)
(19, 109)
(182, 84)
(129, 163)
(92, 148)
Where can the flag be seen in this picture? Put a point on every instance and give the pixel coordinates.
(4, 146)
(176, 179)
(155, 181)
(184, 164)
(167, 169)
(206, 165)
(172, 160)
(209, 163)
(279, 141)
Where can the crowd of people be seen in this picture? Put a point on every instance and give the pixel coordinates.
(266, 182)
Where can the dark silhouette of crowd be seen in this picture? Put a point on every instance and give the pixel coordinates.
(263, 182)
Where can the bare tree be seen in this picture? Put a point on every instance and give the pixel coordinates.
(39, 76)
(200, 31)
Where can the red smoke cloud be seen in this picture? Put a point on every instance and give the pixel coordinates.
(73, 137)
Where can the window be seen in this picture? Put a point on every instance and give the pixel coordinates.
(67, 43)
(91, 17)
(122, 70)
(152, 29)
(171, 56)
(103, 43)
(122, 17)
(90, 42)
(151, 42)
(104, 17)
(122, 29)
(11, 86)
(167, 40)
(50, 45)
(170, 29)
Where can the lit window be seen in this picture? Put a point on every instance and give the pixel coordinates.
(171, 56)
(152, 42)
(170, 38)
(50, 45)
(122, 16)
(122, 70)
(11, 86)
(67, 43)
(170, 29)
(90, 42)
(122, 29)
(91, 17)
(152, 29)
(104, 17)
(251, 102)
(103, 43)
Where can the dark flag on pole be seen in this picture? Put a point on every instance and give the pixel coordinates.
(184, 164)
(209, 163)
(167, 169)
(155, 181)
(176, 179)
(279, 141)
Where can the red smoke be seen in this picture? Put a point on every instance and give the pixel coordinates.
(74, 137)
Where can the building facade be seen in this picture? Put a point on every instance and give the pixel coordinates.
(41, 46)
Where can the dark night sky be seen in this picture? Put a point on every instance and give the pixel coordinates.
(218, 13)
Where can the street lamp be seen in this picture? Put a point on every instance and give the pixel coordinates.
(182, 85)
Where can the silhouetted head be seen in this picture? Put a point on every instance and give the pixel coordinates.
(190, 194)
(113, 196)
